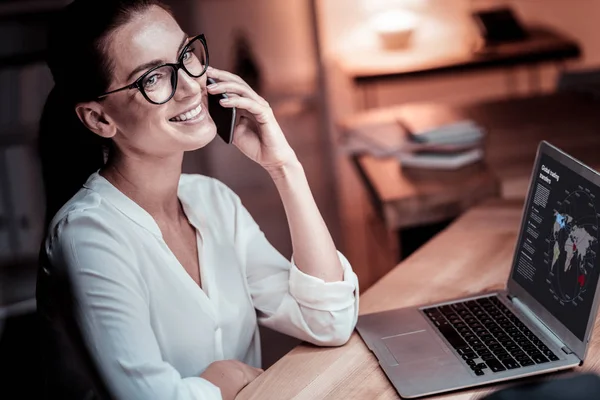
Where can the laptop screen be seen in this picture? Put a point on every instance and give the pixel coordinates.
(556, 257)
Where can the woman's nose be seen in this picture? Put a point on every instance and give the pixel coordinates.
(186, 85)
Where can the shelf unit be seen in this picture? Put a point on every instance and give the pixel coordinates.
(25, 83)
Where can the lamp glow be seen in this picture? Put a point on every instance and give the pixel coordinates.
(394, 28)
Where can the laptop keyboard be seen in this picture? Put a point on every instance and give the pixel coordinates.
(488, 335)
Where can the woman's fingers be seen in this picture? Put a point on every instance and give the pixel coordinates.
(221, 75)
(249, 371)
(236, 88)
(257, 372)
(261, 113)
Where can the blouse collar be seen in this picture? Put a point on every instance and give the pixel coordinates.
(134, 211)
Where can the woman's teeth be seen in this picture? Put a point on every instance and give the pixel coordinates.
(188, 115)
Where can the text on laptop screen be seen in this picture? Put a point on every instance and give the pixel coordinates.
(557, 255)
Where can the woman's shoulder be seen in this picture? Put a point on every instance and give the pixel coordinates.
(85, 213)
(88, 238)
(87, 233)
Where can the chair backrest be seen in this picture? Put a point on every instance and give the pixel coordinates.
(578, 386)
(70, 368)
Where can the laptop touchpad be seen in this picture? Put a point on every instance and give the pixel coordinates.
(414, 346)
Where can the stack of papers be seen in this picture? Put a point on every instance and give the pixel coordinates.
(449, 145)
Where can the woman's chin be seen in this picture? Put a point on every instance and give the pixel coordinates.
(201, 138)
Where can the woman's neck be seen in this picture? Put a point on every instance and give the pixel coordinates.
(151, 183)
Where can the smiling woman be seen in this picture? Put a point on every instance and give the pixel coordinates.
(170, 272)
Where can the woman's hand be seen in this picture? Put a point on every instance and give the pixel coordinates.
(257, 134)
(230, 376)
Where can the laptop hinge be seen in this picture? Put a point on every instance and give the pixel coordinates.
(567, 350)
(538, 323)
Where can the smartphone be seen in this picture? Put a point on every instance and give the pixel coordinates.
(223, 117)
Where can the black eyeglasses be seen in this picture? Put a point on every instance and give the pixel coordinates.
(159, 84)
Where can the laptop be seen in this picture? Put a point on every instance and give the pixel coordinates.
(540, 323)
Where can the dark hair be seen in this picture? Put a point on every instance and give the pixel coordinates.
(81, 69)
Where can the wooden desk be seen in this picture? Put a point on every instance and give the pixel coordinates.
(439, 270)
(404, 199)
(543, 45)
(514, 127)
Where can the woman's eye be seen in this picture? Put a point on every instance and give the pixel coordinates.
(151, 81)
(187, 54)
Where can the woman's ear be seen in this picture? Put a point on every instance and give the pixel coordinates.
(92, 115)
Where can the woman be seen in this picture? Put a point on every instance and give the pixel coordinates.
(172, 272)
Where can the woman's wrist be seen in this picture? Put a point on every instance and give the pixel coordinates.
(285, 171)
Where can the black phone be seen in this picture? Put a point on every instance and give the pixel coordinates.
(223, 117)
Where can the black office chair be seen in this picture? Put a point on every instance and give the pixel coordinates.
(573, 386)
(71, 372)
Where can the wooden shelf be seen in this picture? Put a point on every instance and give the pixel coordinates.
(543, 45)
(24, 23)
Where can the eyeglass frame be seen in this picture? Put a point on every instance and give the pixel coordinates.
(137, 84)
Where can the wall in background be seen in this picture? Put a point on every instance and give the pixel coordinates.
(448, 23)
(280, 36)
(338, 18)
(278, 31)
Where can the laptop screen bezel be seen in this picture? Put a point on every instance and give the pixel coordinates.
(577, 346)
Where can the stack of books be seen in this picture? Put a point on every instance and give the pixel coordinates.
(421, 140)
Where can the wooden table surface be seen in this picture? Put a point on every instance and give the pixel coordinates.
(441, 269)
(514, 129)
(377, 67)
(543, 45)
(405, 199)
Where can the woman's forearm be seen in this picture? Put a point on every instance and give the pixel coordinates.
(314, 251)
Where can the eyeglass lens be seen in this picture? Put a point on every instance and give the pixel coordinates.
(159, 85)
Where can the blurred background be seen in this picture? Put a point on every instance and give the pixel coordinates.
(348, 80)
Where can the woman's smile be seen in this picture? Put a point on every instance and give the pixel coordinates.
(191, 116)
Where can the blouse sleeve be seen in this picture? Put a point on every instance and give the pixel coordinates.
(288, 300)
(114, 313)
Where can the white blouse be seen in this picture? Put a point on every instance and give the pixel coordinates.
(151, 328)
